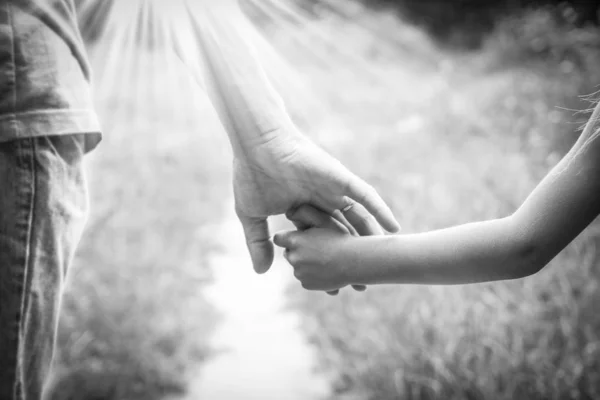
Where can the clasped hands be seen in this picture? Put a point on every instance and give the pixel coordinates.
(291, 175)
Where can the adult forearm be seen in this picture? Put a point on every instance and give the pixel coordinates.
(477, 252)
(249, 107)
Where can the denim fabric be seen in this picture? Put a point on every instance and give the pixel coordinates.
(43, 208)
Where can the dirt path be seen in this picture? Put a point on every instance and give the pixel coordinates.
(263, 354)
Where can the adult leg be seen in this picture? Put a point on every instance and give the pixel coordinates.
(43, 208)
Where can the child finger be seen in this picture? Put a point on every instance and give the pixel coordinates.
(333, 292)
(305, 211)
(304, 217)
(359, 288)
(287, 239)
(307, 216)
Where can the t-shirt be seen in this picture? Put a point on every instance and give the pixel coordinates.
(45, 78)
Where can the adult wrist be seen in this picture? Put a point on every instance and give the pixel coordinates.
(268, 146)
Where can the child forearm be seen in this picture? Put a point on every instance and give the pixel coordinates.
(477, 252)
(556, 212)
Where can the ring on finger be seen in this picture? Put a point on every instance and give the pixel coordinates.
(347, 208)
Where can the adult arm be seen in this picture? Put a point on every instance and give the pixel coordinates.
(276, 168)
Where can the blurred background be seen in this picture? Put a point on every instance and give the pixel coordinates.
(452, 110)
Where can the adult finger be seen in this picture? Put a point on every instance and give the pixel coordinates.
(364, 223)
(301, 226)
(339, 216)
(258, 241)
(370, 199)
(333, 292)
(359, 288)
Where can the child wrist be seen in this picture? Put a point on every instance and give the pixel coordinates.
(349, 260)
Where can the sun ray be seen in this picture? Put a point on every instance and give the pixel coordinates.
(145, 52)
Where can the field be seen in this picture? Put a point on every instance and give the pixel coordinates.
(447, 137)
(462, 143)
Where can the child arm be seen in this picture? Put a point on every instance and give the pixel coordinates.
(561, 206)
(556, 212)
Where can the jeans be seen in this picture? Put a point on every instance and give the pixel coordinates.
(43, 209)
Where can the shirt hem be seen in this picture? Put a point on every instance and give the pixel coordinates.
(51, 123)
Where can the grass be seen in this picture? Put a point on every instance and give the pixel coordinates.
(446, 137)
(462, 141)
(135, 323)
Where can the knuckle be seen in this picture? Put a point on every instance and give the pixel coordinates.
(294, 259)
(290, 213)
(255, 240)
(349, 181)
(293, 241)
(362, 219)
(294, 213)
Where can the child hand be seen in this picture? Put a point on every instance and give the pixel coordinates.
(311, 250)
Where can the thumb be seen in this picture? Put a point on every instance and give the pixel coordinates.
(259, 243)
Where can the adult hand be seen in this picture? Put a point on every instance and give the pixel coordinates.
(287, 171)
